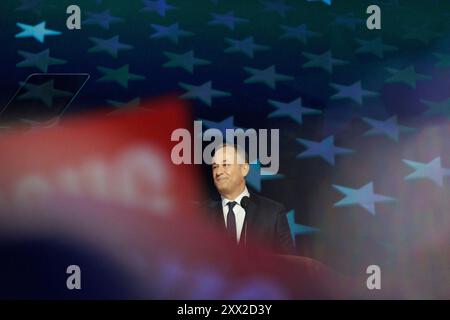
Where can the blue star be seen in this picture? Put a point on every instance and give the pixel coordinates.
(431, 170)
(294, 109)
(324, 149)
(388, 127)
(328, 2)
(103, 19)
(160, 6)
(324, 61)
(228, 19)
(353, 91)
(38, 31)
(187, 61)
(364, 196)
(277, 6)
(300, 33)
(375, 47)
(28, 4)
(222, 126)
(203, 92)
(267, 76)
(171, 32)
(40, 60)
(246, 46)
(298, 229)
(349, 21)
(257, 174)
(111, 46)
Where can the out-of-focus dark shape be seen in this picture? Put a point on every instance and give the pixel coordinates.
(42, 97)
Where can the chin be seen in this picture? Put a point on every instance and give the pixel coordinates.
(222, 189)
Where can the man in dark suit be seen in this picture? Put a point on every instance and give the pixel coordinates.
(248, 218)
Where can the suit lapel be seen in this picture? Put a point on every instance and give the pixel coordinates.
(217, 215)
(251, 215)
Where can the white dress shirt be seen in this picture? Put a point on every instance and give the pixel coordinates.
(239, 212)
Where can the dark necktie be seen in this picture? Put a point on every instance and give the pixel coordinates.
(231, 220)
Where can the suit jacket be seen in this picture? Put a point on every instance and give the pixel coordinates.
(265, 224)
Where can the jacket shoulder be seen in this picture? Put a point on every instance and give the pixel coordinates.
(267, 203)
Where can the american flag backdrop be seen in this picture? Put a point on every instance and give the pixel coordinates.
(364, 115)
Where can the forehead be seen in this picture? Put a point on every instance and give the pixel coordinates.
(226, 154)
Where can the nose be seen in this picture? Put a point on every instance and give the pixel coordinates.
(219, 171)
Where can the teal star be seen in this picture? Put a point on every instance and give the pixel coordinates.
(364, 196)
(432, 170)
(44, 92)
(38, 31)
(324, 61)
(40, 60)
(294, 109)
(375, 47)
(111, 46)
(407, 76)
(444, 60)
(187, 61)
(353, 91)
(120, 75)
(203, 92)
(388, 127)
(441, 108)
(296, 228)
(246, 46)
(267, 76)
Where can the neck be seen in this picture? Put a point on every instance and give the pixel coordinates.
(233, 195)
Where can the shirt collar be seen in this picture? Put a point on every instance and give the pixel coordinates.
(238, 198)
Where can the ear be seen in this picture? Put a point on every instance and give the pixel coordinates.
(245, 168)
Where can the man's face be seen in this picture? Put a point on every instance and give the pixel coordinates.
(228, 174)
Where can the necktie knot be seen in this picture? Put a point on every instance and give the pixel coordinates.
(231, 204)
